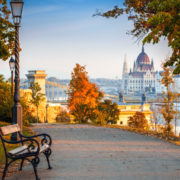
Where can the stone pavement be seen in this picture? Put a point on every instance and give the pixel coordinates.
(83, 152)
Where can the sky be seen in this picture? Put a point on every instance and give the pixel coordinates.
(57, 34)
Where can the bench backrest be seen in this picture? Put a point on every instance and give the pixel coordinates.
(9, 129)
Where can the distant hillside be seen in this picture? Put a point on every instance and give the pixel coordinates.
(98, 81)
(106, 82)
(61, 81)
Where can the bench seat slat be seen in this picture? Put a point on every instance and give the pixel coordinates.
(17, 150)
(23, 150)
(42, 148)
(9, 129)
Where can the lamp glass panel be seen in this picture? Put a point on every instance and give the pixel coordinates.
(17, 20)
(16, 7)
(12, 65)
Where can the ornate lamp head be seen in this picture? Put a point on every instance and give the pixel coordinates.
(16, 8)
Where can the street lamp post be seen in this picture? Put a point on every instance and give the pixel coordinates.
(12, 66)
(16, 8)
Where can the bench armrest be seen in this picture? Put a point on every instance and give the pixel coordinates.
(33, 144)
(46, 139)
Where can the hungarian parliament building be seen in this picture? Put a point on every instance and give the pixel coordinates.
(143, 78)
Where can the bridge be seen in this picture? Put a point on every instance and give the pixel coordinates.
(55, 92)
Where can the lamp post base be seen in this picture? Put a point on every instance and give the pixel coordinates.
(17, 119)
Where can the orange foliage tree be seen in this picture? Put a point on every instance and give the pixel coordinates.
(138, 121)
(7, 33)
(83, 96)
(167, 109)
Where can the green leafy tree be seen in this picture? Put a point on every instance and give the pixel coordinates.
(138, 121)
(6, 32)
(110, 110)
(152, 20)
(6, 101)
(167, 109)
(37, 96)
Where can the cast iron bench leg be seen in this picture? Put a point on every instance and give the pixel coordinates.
(5, 170)
(22, 161)
(47, 154)
(35, 163)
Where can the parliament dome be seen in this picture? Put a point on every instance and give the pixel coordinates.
(143, 58)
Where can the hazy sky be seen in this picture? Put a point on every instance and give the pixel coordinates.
(57, 34)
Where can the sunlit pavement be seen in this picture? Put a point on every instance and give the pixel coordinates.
(83, 152)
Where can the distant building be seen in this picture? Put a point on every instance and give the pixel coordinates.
(160, 87)
(47, 111)
(141, 78)
(176, 79)
(129, 109)
(37, 76)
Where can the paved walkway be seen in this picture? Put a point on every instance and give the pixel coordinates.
(82, 152)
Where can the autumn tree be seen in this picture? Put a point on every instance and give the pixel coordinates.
(27, 110)
(37, 96)
(83, 96)
(138, 121)
(155, 119)
(99, 117)
(109, 111)
(6, 32)
(152, 20)
(63, 117)
(167, 110)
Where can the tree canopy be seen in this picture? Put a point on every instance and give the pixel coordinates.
(138, 121)
(83, 96)
(167, 109)
(6, 32)
(63, 117)
(28, 111)
(6, 100)
(110, 111)
(37, 96)
(152, 20)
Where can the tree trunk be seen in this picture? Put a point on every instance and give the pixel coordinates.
(176, 114)
(37, 114)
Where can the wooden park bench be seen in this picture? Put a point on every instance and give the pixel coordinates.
(29, 148)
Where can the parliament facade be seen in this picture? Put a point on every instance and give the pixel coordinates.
(141, 78)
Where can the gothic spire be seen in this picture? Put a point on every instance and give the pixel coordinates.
(143, 49)
(134, 67)
(125, 66)
(152, 62)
